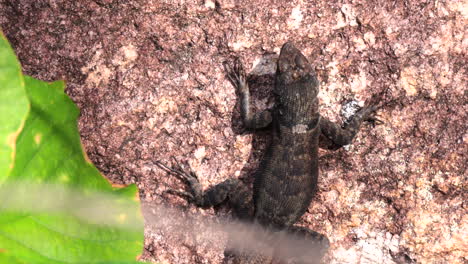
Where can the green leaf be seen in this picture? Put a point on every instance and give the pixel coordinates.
(14, 105)
(56, 207)
(4, 258)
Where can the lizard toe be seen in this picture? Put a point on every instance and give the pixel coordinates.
(186, 195)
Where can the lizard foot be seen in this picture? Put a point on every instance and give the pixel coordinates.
(190, 178)
(373, 104)
(374, 120)
(369, 111)
(236, 75)
(370, 115)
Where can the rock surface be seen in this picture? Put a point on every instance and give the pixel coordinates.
(149, 80)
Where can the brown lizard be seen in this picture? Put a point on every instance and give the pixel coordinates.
(286, 179)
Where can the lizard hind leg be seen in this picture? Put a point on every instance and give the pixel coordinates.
(231, 190)
(301, 245)
(239, 198)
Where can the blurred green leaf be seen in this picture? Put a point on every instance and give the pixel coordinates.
(41, 147)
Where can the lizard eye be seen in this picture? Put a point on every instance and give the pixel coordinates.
(301, 61)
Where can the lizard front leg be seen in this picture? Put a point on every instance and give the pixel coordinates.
(236, 75)
(334, 136)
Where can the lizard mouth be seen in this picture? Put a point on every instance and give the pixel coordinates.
(292, 64)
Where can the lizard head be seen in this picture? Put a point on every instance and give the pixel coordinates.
(296, 86)
(294, 68)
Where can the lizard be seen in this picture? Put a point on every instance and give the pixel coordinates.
(287, 177)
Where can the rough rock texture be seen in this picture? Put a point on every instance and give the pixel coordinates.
(148, 78)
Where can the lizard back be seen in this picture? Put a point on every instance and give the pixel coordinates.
(287, 177)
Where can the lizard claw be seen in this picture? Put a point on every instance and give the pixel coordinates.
(190, 179)
(373, 120)
(236, 74)
(182, 194)
(179, 172)
(373, 104)
(369, 115)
